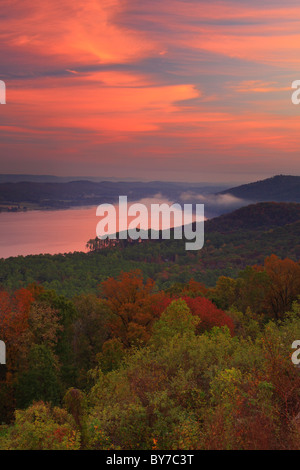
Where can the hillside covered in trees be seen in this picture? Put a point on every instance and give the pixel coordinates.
(136, 367)
(232, 241)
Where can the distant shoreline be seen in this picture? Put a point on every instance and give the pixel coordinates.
(21, 209)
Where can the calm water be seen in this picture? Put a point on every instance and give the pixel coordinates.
(35, 232)
(61, 231)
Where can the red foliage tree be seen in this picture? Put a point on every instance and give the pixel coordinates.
(209, 314)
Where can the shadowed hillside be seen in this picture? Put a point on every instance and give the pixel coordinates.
(280, 188)
(260, 216)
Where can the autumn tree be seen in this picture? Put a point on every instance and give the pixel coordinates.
(14, 315)
(177, 319)
(284, 286)
(208, 314)
(44, 325)
(42, 427)
(132, 304)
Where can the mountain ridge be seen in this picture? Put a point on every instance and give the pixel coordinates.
(256, 217)
(278, 188)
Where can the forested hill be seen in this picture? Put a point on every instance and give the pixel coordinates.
(232, 242)
(280, 188)
(260, 216)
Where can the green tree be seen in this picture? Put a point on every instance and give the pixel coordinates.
(40, 381)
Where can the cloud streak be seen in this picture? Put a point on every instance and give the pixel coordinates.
(172, 90)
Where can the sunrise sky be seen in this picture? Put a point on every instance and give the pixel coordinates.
(150, 89)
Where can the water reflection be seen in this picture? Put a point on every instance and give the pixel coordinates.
(61, 231)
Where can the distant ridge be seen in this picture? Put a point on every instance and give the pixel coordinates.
(260, 216)
(280, 188)
(27, 195)
(28, 178)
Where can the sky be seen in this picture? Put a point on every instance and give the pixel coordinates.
(176, 90)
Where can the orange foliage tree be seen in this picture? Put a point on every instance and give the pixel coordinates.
(284, 286)
(134, 306)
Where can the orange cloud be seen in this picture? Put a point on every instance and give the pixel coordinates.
(93, 77)
(78, 32)
(90, 106)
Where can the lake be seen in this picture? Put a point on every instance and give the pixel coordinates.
(58, 231)
(35, 232)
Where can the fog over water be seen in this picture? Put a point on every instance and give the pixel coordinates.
(64, 231)
(58, 231)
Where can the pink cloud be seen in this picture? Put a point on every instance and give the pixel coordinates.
(95, 76)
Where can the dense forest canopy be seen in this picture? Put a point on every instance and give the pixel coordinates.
(232, 242)
(137, 367)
